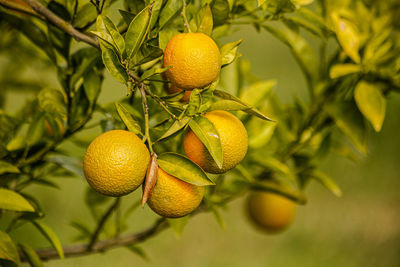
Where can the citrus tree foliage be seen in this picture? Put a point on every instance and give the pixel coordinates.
(347, 51)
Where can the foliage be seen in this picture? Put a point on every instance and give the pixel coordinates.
(349, 77)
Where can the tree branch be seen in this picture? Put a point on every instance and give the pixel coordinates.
(104, 245)
(101, 223)
(18, 7)
(62, 24)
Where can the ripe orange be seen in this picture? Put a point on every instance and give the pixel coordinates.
(195, 60)
(270, 212)
(233, 138)
(115, 163)
(172, 197)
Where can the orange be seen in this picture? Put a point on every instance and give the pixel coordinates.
(115, 163)
(234, 142)
(195, 60)
(172, 197)
(270, 212)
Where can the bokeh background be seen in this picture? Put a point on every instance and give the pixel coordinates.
(362, 228)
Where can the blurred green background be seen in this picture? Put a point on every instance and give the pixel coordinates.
(360, 229)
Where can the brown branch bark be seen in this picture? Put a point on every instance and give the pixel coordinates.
(20, 8)
(62, 24)
(104, 245)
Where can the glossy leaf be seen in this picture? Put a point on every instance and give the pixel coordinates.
(371, 103)
(348, 37)
(6, 167)
(112, 63)
(177, 126)
(152, 72)
(340, 70)
(171, 9)
(128, 119)
(110, 34)
(229, 52)
(8, 249)
(350, 121)
(183, 168)
(137, 31)
(250, 110)
(327, 182)
(50, 236)
(209, 136)
(281, 190)
(195, 102)
(203, 21)
(31, 255)
(220, 11)
(10, 200)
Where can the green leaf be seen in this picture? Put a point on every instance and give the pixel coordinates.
(340, 70)
(261, 134)
(203, 21)
(127, 16)
(165, 35)
(309, 26)
(110, 33)
(183, 168)
(218, 217)
(257, 92)
(50, 236)
(260, 2)
(137, 31)
(6, 167)
(178, 224)
(250, 110)
(175, 128)
(128, 119)
(72, 164)
(83, 60)
(31, 255)
(327, 182)
(350, 121)
(112, 63)
(228, 105)
(147, 53)
(92, 85)
(300, 48)
(10, 200)
(36, 130)
(52, 101)
(171, 9)
(301, 2)
(138, 251)
(8, 250)
(209, 136)
(273, 164)
(371, 103)
(157, 4)
(229, 52)
(86, 15)
(152, 72)
(347, 36)
(195, 102)
(220, 11)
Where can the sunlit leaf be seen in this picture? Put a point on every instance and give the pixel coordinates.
(347, 36)
(209, 136)
(6, 167)
(183, 168)
(112, 63)
(50, 236)
(10, 200)
(229, 52)
(8, 249)
(327, 182)
(175, 128)
(128, 119)
(171, 9)
(371, 103)
(31, 255)
(340, 70)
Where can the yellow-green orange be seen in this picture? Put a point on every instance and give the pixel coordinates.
(172, 197)
(195, 60)
(115, 163)
(270, 212)
(234, 142)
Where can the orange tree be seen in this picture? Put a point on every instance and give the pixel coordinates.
(349, 60)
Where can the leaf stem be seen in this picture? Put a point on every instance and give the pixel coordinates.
(101, 223)
(146, 117)
(183, 14)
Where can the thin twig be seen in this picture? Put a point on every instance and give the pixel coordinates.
(186, 22)
(160, 102)
(62, 24)
(101, 223)
(104, 245)
(146, 117)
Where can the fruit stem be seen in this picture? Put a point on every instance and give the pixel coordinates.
(186, 22)
(146, 117)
